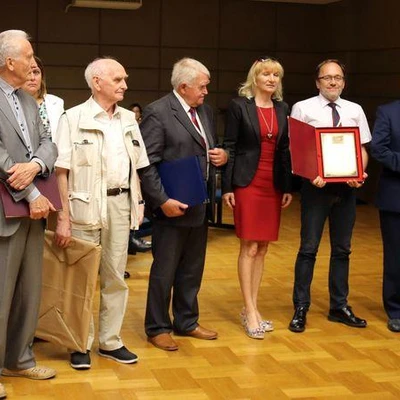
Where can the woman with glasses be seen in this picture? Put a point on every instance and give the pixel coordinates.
(50, 107)
(257, 178)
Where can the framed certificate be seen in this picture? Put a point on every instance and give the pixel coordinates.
(331, 153)
(339, 154)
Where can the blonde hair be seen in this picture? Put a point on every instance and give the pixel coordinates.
(248, 88)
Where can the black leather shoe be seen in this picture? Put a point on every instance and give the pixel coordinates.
(394, 325)
(298, 322)
(138, 245)
(346, 316)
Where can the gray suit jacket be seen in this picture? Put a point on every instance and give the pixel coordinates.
(13, 149)
(169, 135)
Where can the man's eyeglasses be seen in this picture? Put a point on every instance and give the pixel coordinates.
(328, 78)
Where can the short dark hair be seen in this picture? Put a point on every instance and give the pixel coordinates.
(135, 105)
(329, 60)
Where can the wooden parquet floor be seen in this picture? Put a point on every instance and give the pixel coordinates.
(327, 361)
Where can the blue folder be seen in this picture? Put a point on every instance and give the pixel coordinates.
(183, 180)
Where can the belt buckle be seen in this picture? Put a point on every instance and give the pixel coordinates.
(120, 190)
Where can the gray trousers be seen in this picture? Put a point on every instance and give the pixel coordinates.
(21, 256)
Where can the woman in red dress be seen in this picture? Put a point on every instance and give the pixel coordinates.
(257, 178)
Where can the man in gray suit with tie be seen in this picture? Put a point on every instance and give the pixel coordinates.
(25, 152)
(176, 126)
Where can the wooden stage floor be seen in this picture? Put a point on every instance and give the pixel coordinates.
(327, 361)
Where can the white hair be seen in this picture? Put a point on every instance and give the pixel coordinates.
(9, 46)
(96, 68)
(186, 71)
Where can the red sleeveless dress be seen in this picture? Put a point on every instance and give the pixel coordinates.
(257, 209)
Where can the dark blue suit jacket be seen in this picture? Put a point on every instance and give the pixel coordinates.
(385, 148)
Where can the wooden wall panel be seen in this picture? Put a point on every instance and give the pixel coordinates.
(190, 23)
(19, 14)
(247, 25)
(132, 27)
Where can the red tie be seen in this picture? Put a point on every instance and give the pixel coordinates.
(192, 111)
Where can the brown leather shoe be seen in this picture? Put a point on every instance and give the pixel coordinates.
(201, 333)
(163, 341)
(3, 393)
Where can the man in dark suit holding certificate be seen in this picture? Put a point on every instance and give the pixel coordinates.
(174, 127)
(25, 152)
(334, 201)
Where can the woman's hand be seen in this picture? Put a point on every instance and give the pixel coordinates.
(286, 200)
(229, 200)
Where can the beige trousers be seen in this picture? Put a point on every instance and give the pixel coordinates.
(113, 289)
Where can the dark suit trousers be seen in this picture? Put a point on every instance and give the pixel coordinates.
(390, 229)
(21, 257)
(338, 203)
(179, 255)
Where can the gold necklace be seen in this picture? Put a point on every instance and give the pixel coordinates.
(269, 128)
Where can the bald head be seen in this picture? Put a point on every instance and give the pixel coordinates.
(106, 78)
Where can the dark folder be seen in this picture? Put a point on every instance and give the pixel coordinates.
(47, 186)
(183, 180)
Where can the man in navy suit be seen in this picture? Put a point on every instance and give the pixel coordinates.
(176, 126)
(385, 148)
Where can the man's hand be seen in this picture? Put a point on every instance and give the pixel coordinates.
(218, 157)
(22, 174)
(229, 199)
(318, 182)
(357, 184)
(63, 234)
(173, 208)
(40, 207)
(141, 213)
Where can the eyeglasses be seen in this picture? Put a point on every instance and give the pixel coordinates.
(328, 78)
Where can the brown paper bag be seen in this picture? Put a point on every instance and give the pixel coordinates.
(68, 286)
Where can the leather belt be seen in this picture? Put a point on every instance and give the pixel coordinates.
(116, 191)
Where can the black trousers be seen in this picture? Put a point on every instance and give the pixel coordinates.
(390, 229)
(177, 270)
(338, 205)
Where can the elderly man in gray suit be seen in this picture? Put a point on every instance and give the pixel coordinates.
(25, 152)
(176, 126)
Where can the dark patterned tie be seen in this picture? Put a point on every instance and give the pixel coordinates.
(192, 111)
(335, 114)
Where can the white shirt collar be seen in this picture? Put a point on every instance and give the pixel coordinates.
(181, 100)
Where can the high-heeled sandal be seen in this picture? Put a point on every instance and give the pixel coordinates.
(257, 333)
(266, 325)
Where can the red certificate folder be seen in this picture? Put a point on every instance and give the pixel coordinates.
(333, 153)
(47, 186)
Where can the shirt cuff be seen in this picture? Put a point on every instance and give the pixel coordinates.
(33, 195)
(41, 164)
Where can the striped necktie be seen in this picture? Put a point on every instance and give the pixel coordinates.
(335, 114)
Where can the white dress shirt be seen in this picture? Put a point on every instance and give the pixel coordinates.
(316, 112)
